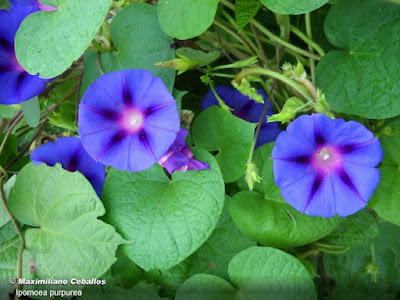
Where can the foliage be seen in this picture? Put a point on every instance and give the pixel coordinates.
(222, 230)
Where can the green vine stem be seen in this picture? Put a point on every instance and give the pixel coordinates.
(17, 228)
(273, 37)
(264, 72)
(307, 39)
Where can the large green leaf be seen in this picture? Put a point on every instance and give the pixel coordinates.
(167, 218)
(48, 42)
(355, 230)
(386, 199)
(218, 130)
(361, 78)
(293, 7)
(141, 43)
(8, 265)
(205, 287)
(350, 269)
(212, 257)
(258, 273)
(186, 19)
(245, 10)
(275, 223)
(67, 241)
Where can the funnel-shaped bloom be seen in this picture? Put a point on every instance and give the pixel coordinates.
(16, 85)
(128, 120)
(245, 109)
(68, 151)
(36, 4)
(179, 157)
(326, 166)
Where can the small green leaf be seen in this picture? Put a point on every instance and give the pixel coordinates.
(48, 43)
(293, 7)
(218, 130)
(186, 19)
(141, 43)
(275, 223)
(205, 287)
(355, 230)
(245, 10)
(259, 271)
(168, 219)
(63, 209)
(358, 78)
(201, 57)
(31, 110)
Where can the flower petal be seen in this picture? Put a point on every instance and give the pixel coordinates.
(322, 201)
(268, 133)
(289, 171)
(46, 153)
(368, 154)
(175, 161)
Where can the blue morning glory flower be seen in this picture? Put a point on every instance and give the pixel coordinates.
(16, 85)
(128, 120)
(179, 157)
(325, 166)
(68, 151)
(245, 109)
(32, 3)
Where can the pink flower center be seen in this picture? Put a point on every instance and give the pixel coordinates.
(327, 159)
(132, 120)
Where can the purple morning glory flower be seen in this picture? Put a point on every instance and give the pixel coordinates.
(326, 166)
(68, 151)
(128, 120)
(33, 3)
(179, 157)
(245, 109)
(16, 85)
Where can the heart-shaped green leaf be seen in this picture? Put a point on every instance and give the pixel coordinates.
(361, 78)
(167, 218)
(130, 32)
(258, 273)
(275, 223)
(186, 19)
(293, 7)
(67, 241)
(218, 130)
(48, 42)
